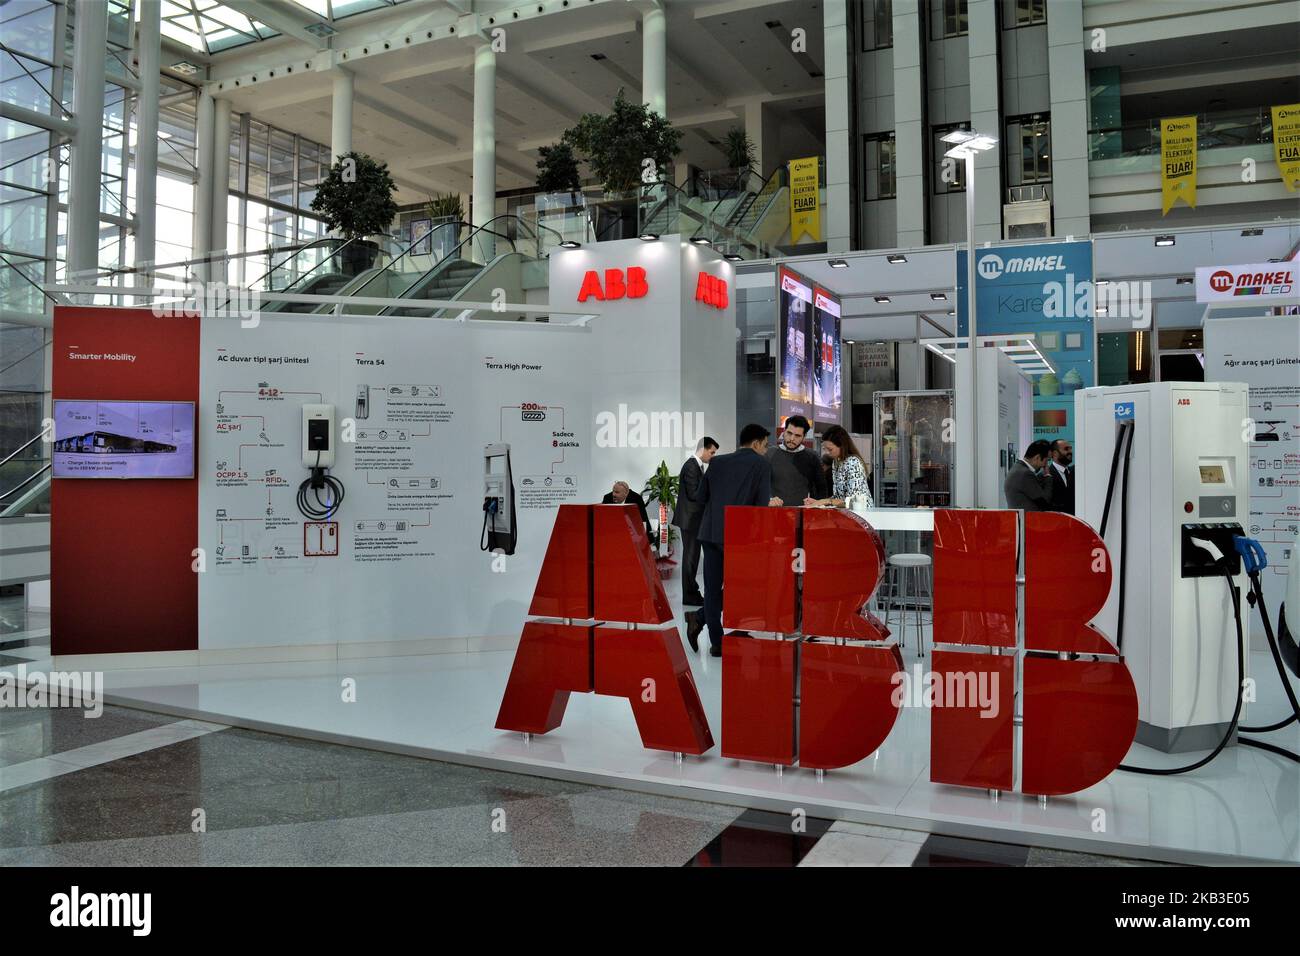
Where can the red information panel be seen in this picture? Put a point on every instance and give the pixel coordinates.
(758, 577)
(975, 578)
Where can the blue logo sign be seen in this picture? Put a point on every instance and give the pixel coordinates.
(1123, 411)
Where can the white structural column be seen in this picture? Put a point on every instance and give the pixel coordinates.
(985, 117)
(836, 229)
(1068, 88)
(220, 177)
(909, 126)
(763, 131)
(88, 108)
(484, 199)
(146, 148)
(654, 58)
(204, 131)
(341, 115)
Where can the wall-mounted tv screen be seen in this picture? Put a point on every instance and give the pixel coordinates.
(826, 357)
(795, 302)
(96, 439)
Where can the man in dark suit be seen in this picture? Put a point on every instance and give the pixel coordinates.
(1026, 487)
(1060, 470)
(742, 478)
(624, 495)
(687, 515)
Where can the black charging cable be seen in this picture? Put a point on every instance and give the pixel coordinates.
(309, 501)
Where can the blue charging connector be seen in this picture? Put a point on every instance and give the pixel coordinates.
(1253, 558)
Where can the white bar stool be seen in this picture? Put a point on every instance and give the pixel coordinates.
(901, 571)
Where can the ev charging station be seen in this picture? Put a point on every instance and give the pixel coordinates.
(1163, 472)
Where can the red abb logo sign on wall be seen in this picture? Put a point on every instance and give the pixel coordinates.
(711, 290)
(617, 286)
(1079, 716)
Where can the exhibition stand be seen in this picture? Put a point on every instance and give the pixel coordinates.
(401, 511)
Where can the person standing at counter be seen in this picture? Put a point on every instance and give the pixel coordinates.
(848, 471)
(796, 470)
(742, 478)
(1026, 487)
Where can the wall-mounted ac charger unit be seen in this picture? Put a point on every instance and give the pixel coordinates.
(318, 436)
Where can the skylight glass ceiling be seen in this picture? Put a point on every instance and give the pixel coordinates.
(210, 26)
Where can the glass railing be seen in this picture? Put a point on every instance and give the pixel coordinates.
(24, 478)
(1253, 127)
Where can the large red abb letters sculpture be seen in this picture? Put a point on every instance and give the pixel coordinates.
(1079, 717)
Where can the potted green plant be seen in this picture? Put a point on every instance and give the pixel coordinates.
(662, 487)
(356, 201)
(616, 146)
(739, 150)
(559, 203)
(446, 212)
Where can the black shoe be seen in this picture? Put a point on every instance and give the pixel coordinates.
(693, 627)
(715, 652)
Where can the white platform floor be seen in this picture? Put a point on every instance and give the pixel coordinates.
(1245, 805)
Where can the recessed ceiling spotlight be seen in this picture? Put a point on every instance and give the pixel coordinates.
(570, 244)
(883, 299)
(896, 259)
(732, 257)
(702, 240)
(837, 264)
(648, 236)
(939, 296)
(1184, 280)
(1164, 240)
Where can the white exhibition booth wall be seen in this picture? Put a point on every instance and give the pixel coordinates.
(580, 407)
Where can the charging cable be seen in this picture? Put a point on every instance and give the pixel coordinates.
(309, 501)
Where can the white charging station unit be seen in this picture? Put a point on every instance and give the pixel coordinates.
(1189, 465)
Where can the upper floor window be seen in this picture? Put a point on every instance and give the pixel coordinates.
(879, 170)
(956, 23)
(1023, 13)
(877, 24)
(1029, 150)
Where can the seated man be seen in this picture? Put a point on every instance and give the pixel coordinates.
(624, 495)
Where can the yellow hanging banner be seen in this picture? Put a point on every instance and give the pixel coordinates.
(1286, 143)
(1177, 162)
(805, 202)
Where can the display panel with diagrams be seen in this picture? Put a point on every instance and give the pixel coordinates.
(94, 439)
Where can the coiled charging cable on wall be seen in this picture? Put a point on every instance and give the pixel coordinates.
(310, 489)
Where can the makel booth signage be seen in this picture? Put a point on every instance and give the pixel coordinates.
(1044, 289)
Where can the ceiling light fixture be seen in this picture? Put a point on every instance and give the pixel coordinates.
(883, 299)
(838, 264)
(1165, 240)
(570, 244)
(895, 259)
(939, 296)
(648, 236)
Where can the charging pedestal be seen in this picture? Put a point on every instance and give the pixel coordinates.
(1188, 474)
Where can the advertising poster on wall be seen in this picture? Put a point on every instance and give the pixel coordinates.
(826, 357)
(1044, 289)
(794, 389)
(1264, 353)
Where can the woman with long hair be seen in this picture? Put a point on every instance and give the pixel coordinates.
(848, 470)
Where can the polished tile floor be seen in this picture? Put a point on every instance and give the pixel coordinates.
(210, 795)
(1245, 805)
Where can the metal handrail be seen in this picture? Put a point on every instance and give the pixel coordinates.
(27, 481)
(25, 445)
